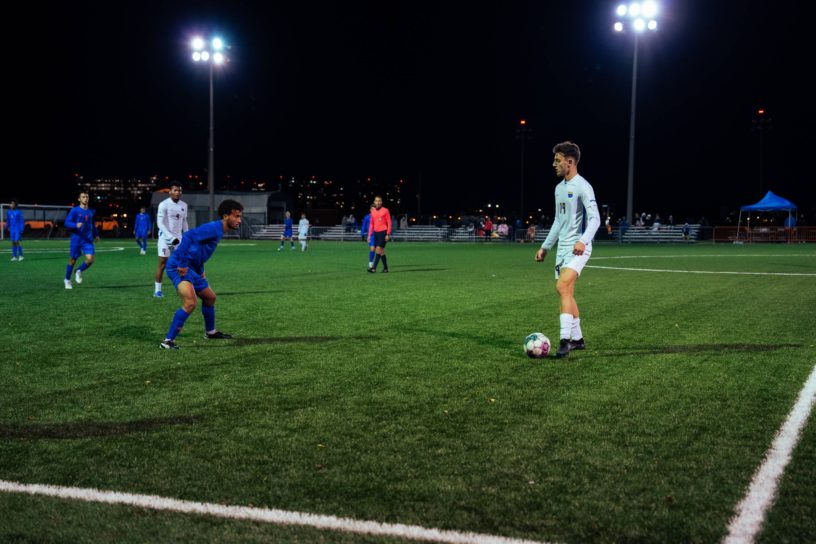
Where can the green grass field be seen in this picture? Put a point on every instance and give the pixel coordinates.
(406, 397)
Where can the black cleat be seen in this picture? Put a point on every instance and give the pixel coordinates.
(168, 344)
(385, 270)
(577, 344)
(371, 271)
(563, 348)
(217, 335)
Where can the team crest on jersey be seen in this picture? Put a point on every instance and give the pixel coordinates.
(569, 195)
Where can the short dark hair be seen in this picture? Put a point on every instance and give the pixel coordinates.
(176, 184)
(13, 201)
(568, 149)
(228, 206)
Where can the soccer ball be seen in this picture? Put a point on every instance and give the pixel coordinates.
(537, 346)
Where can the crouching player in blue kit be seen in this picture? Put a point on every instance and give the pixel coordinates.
(80, 221)
(185, 268)
(141, 230)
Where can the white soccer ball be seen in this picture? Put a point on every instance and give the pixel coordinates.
(536, 346)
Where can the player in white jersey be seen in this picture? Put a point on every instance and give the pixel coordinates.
(303, 231)
(172, 222)
(576, 221)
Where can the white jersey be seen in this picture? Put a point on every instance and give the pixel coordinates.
(303, 227)
(172, 220)
(574, 206)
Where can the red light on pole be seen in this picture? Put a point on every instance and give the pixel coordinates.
(523, 122)
(761, 111)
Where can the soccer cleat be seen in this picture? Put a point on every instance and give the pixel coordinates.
(14, 259)
(293, 248)
(217, 335)
(385, 270)
(563, 348)
(78, 276)
(168, 344)
(158, 294)
(68, 284)
(142, 252)
(577, 344)
(372, 270)
(280, 248)
(20, 258)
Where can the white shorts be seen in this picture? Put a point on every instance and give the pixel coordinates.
(165, 249)
(570, 260)
(302, 236)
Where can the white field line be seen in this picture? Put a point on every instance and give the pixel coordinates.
(264, 515)
(702, 271)
(750, 512)
(695, 256)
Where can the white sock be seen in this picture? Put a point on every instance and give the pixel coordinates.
(566, 325)
(158, 286)
(576, 328)
(303, 245)
(370, 264)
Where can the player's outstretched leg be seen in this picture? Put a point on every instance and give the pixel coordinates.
(187, 293)
(208, 311)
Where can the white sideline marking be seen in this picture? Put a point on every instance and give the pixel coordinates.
(265, 515)
(703, 271)
(750, 512)
(695, 256)
(65, 250)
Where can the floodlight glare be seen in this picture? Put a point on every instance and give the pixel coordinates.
(218, 58)
(639, 25)
(205, 55)
(196, 56)
(621, 11)
(634, 10)
(652, 25)
(649, 9)
(217, 44)
(198, 44)
(618, 27)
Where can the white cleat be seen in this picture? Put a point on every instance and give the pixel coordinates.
(68, 284)
(78, 276)
(14, 259)
(142, 252)
(20, 258)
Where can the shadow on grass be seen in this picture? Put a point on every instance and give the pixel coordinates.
(279, 340)
(91, 429)
(693, 348)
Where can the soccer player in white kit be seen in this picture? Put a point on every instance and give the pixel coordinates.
(574, 206)
(303, 231)
(172, 221)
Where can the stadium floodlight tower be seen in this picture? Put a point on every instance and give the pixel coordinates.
(637, 17)
(212, 53)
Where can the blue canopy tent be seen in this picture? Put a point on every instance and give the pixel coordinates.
(769, 203)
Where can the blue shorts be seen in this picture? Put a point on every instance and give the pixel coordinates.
(287, 233)
(199, 283)
(141, 234)
(80, 247)
(16, 236)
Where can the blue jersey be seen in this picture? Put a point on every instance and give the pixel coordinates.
(87, 232)
(287, 227)
(15, 221)
(364, 229)
(142, 226)
(197, 246)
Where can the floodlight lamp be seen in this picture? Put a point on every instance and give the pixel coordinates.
(196, 56)
(621, 11)
(217, 44)
(205, 56)
(618, 27)
(639, 25)
(652, 25)
(649, 9)
(218, 58)
(197, 44)
(634, 9)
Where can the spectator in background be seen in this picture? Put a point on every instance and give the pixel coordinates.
(624, 226)
(351, 223)
(671, 222)
(503, 229)
(531, 233)
(344, 221)
(487, 226)
(686, 231)
(656, 224)
(403, 222)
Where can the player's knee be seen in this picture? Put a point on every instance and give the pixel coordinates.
(189, 305)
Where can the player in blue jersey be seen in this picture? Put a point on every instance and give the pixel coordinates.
(141, 230)
(80, 222)
(185, 268)
(287, 232)
(16, 225)
(366, 238)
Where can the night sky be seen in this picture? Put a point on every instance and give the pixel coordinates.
(346, 90)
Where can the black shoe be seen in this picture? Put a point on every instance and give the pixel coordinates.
(217, 335)
(563, 348)
(168, 344)
(371, 270)
(577, 344)
(385, 270)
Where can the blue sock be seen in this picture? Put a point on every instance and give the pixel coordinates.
(178, 323)
(371, 256)
(144, 244)
(19, 251)
(84, 266)
(13, 251)
(68, 269)
(209, 317)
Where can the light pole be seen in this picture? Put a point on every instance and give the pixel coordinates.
(211, 52)
(762, 124)
(523, 133)
(641, 16)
